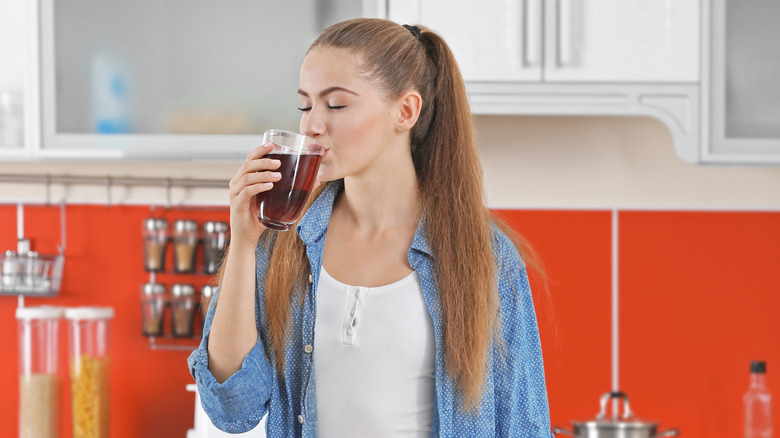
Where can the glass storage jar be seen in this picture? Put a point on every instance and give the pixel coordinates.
(207, 292)
(152, 308)
(155, 242)
(214, 244)
(88, 343)
(39, 381)
(185, 242)
(183, 307)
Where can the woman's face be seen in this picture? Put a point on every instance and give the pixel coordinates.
(345, 111)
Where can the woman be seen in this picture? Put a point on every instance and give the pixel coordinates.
(396, 307)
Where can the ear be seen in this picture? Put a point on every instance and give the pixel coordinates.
(408, 110)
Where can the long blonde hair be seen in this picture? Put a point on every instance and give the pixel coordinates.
(457, 223)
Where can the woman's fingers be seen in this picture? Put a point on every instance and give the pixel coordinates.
(263, 179)
(253, 167)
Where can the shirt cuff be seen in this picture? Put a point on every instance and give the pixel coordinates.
(239, 403)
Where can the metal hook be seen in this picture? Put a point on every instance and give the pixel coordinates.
(168, 184)
(108, 192)
(48, 190)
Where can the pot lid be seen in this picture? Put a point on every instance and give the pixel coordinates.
(626, 421)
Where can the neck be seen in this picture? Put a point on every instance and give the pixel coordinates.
(383, 197)
(757, 379)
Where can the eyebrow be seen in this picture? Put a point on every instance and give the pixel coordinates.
(327, 91)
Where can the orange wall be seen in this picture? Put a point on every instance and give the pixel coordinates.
(699, 297)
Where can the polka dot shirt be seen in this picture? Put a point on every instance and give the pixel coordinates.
(514, 401)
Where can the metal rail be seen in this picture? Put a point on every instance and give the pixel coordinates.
(110, 181)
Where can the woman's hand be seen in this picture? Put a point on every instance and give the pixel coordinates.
(254, 176)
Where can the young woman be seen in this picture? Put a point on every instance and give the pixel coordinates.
(396, 308)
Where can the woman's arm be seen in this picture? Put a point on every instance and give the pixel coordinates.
(233, 330)
(231, 369)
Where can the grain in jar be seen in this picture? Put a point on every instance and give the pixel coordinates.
(88, 342)
(39, 379)
(185, 244)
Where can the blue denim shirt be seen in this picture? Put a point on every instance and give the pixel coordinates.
(514, 400)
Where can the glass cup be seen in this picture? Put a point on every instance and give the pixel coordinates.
(300, 156)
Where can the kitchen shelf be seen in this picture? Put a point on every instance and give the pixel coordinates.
(168, 342)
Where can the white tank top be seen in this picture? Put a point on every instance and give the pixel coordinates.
(374, 353)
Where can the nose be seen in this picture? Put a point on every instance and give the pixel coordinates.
(312, 123)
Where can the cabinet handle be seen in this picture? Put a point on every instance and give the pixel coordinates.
(532, 21)
(565, 33)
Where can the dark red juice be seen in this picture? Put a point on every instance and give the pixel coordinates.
(280, 206)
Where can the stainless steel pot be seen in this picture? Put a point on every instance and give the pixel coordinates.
(625, 426)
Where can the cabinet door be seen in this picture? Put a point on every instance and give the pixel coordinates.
(622, 41)
(174, 79)
(744, 122)
(14, 83)
(493, 40)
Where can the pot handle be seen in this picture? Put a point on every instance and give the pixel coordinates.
(562, 431)
(670, 432)
(610, 395)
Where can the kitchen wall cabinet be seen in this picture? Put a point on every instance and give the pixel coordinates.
(565, 40)
(15, 84)
(569, 57)
(167, 80)
(742, 91)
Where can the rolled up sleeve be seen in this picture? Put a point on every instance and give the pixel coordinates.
(239, 403)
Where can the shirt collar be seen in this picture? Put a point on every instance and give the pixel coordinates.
(314, 223)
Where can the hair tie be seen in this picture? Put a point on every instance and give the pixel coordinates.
(414, 30)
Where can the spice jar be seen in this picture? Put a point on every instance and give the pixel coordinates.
(152, 308)
(29, 272)
(155, 242)
(39, 381)
(207, 292)
(214, 244)
(10, 268)
(88, 335)
(183, 306)
(185, 242)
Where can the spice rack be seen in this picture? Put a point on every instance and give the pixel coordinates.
(172, 317)
(25, 272)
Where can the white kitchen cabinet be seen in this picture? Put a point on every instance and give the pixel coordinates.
(647, 41)
(17, 85)
(741, 123)
(180, 79)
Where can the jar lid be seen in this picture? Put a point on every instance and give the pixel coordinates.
(215, 227)
(185, 225)
(78, 313)
(155, 224)
(40, 312)
(209, 291)
(9, 253)
(179, 290)
(153, 289)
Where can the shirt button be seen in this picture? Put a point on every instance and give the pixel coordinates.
(300, 419)
(357, 293)
(352, 312)
(349, 332)
(310, 280)
(308, 348)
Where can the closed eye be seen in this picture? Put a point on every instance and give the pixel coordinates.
(333, 107)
